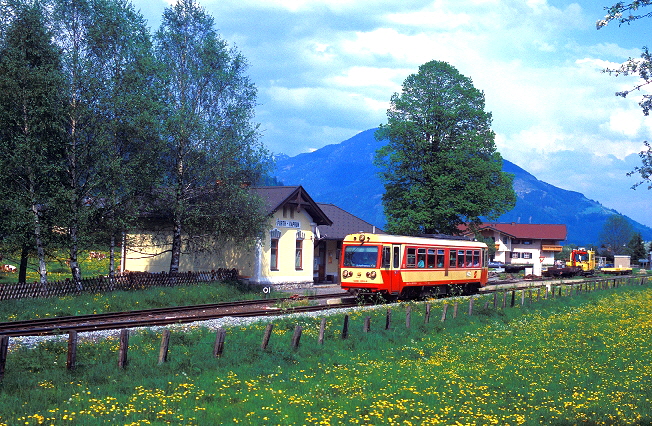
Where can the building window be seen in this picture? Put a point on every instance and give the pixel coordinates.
(298, 255)
(514, 255)
(288, 211)
(273, 261)
(526, 255)
(275, 235)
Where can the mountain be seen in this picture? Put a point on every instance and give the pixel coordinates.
(344, 174)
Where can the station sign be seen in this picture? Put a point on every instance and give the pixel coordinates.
(281, 223)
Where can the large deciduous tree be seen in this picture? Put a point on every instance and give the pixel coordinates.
(212, 147)
(127, 103)
(32, 132)
(440, 165)
(106, 56)
(626, 13)
(616, 233)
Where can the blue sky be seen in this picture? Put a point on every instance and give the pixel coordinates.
(326, 69)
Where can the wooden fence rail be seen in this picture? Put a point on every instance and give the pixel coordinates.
(127, 281)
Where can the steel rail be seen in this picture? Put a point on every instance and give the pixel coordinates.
(97, 321)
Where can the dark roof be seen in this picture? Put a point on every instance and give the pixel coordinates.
(556, 232)
(276, 197)
(344, 223)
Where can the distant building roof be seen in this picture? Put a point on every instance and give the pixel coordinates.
(556, 232)
(276, 197)
(344, 223)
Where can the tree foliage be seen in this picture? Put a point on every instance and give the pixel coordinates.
(616, 234)
(636, 248)
(211, 146)
(440, 165)
(626, 13)
(32, 131)
(96, 119)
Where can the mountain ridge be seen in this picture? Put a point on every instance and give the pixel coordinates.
(344, 174)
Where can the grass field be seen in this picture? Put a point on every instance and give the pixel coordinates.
(584, 359)
(57, 268)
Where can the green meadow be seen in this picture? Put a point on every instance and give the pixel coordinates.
(581, 359)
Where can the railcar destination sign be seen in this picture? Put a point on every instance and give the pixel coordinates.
(280, 223)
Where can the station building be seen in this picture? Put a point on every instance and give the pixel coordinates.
(300, 247)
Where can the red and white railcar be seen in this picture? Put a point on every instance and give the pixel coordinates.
(408, 267)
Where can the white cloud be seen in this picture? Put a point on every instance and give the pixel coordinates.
(326, 69)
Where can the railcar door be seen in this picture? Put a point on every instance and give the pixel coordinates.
(394, 283)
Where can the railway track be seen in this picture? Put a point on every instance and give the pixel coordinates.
(161, 316)
(186, 314)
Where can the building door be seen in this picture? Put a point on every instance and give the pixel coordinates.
(320, 259)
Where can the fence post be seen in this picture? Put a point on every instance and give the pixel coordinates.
(367, 324)
(408, 315)
(4, 346)
(426, 319)
(443, 314)
(388, 319)
(124, 348)
(219, 342)
(322, 329)
(455, 309)
(165, 344)
(266, 336)
(345, 327)
(296, 337)
(504, 299)
(511, 303)
(471, 306)
(71, 361)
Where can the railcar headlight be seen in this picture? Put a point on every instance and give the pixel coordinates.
(346, 274)
(371, 275)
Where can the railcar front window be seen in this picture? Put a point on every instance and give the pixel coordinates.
(360, 257)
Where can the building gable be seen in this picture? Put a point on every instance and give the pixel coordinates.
(290, 200)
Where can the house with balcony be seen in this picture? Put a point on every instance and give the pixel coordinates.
(525, 244)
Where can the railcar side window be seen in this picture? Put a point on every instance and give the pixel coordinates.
(387, 257)
(469, 258)
(476, 258)
(421, 258)
(440, 258)
(411, 258)
(460, 258)
(361, 257)
(397, 257)
(431, 258)
(453, 259)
